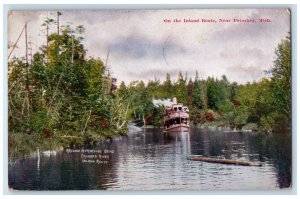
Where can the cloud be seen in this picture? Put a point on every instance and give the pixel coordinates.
(257, 34)
(243, 74)
(226, 53)
(140, 47)
(244, 55)
(103, 17)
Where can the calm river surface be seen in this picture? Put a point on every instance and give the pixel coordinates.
(152, 160)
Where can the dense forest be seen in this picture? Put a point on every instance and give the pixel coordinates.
(61, 97)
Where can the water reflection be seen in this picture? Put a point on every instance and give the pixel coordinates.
(276, 150)
(153, 160)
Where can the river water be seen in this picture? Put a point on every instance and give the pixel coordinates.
(153, 160)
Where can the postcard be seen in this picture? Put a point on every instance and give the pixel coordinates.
(150, 99)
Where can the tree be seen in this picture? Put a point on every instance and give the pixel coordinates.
(181, 89)
(281, 77)
(233, 89)
(217, 92)
(47, 24)
(122, 91)
(197, 116)
(199, 93)
(281, 86)
(167, 87)
(190, 92)
(70, 101)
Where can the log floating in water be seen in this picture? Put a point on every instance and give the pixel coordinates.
(225, 161)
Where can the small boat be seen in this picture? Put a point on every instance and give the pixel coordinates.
(176, 118)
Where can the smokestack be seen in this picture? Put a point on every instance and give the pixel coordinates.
(174, 100)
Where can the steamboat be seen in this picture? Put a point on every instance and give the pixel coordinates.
(176, 117)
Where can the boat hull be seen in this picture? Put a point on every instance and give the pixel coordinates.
(178, 128)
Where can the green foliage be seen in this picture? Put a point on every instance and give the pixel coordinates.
(199, 94)
(217, 92)
(281, 83)
(233, 115)
(197, 116)
(240, 119)
(229, 112)
(167, 87)
(40, 121)
(268, 102)
(62, 98)
(157, 118)
(181, 89)
(256, 100)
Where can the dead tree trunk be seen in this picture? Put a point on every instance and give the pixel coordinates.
(224, 161)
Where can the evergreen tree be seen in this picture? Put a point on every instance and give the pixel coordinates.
(181, 92)
(122, 90)
(197, 100)
(167, 87)
(217, 92)
(190, 92)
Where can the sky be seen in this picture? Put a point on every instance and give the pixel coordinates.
(144, 44)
